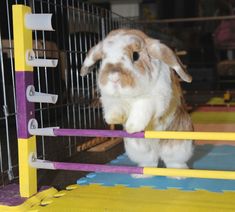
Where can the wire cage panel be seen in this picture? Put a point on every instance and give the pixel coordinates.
(78, 26)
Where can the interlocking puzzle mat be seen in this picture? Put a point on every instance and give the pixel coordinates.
(205, 157)
(225, 114)
(220, 101)
(213, 117)
(99, 198)
(103, 192)
(18, 204)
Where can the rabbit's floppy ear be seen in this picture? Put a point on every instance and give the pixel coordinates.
(164, 53)
(94, 55)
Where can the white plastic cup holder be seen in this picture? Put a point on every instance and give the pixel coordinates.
(39, 21)
(33, 96)
(39, 164)
(31, 60)
(34, 130)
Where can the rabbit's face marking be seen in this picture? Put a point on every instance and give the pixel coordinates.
(138, 57)
(122, 66)
(115, 78)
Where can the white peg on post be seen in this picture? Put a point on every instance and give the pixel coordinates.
(35, 62)
(39, 164)
(34, 130)
(33, 96)
(39, 21)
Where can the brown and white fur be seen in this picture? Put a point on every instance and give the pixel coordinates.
(143, 93)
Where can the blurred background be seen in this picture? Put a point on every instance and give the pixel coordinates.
(203, 28)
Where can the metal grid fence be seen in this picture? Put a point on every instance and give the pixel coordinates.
(78, 26)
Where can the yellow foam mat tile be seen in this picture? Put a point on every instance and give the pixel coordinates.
(119, 198)
(213, 117)
(31, 202)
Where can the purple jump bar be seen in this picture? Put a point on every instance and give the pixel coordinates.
(97, 133)
(97, 168)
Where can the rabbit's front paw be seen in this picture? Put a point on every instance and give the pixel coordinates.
(115, 118)
(133, 127)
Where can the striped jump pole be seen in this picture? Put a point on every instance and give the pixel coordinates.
(178, 135)
(209, 174)
(216, 136)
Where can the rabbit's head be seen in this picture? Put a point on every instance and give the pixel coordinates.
(130, 62)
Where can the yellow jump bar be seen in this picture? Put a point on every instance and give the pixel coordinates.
(216, 136)
(195, 173)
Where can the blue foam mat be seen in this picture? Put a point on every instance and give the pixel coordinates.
(205, 157)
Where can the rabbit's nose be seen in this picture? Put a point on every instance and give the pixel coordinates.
(114, 78)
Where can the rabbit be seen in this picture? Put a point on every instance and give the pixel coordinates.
(140, 90)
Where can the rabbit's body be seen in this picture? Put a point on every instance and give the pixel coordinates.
(143, 93)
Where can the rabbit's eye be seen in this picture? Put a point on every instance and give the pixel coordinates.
(136, 56)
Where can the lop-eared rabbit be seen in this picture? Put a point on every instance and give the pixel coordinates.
(140, 89)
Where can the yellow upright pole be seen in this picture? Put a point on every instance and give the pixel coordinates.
(25, 109)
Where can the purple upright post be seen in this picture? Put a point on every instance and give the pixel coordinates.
(25, 109)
